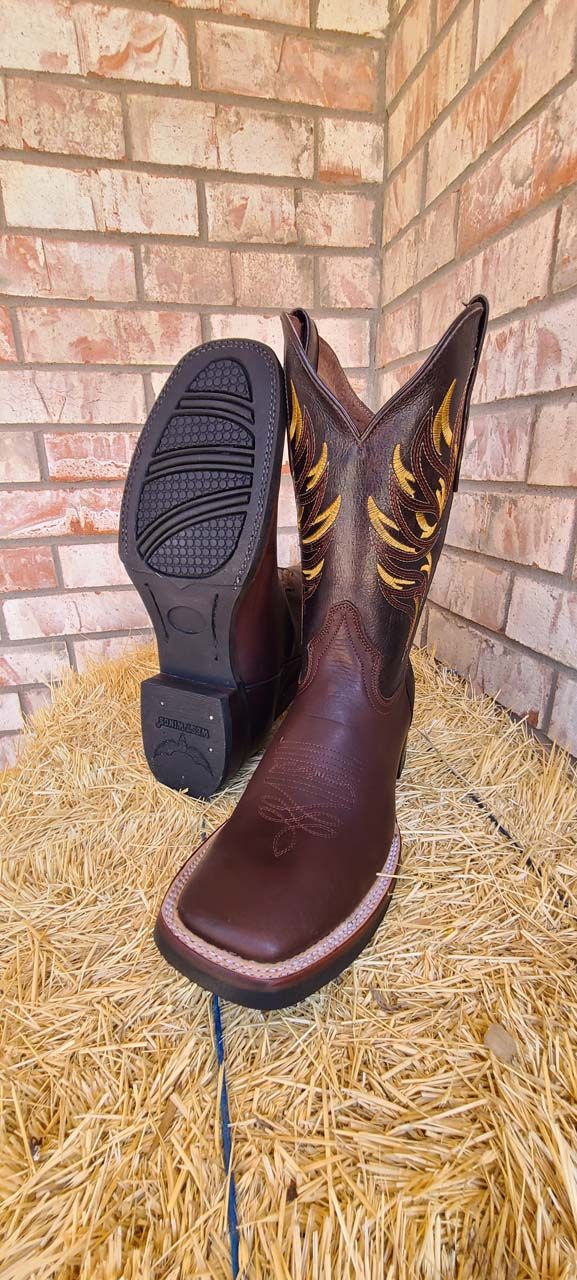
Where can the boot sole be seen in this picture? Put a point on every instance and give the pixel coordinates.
(272, 986)
(199, 497)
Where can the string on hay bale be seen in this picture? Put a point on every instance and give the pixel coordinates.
(374, 1133)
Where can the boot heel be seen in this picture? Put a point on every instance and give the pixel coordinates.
(402, 760)
(193, 734)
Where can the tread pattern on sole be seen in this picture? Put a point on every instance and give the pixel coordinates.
(197, 488)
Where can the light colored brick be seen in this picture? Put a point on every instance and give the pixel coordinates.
(444, 74)
(408, 45)
(362, 17)
(537, 59)
(295, 12)
(42, 116)
(400, 262)
(391, 380)
(272, 280)
(73, 614)
(27, 665)
(536, 352)
(402, 196)
(98, 200)
(537, 163)
(351, 150)
(349, 338)
(444, 10)
(42, 268)
(11, 718)
(194, 275)
(131, 44)
(471, 589)
(7, 346)
(86, 336)
(39, 37)
(336, 218)
(543, 616)
(554, 451)
(92, 564)
(287, 511)
(497, 444)
(38, 513)
(437, 236)
(89, 455)
(516, 679)
(563, 725)
(26, 569)
(250, 213)
(173, 131)
(9, 750)
(105, 649)
(565, 273)
(527, 528)
(349, 282)
(265, 329)
(264, 142)
(495, 20)
(288, 550)
(398, 332)
(18, 457)
(81, 396)
(268, 64)
(34, 700)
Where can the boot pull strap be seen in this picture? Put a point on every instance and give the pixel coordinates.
(479, 298)
(308, 335)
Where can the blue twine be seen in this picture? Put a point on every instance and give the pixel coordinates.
(226, 1141)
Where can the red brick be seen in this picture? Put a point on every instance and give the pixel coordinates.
(194, 275)
(89, 455)
(400, 265)
(268, 64)
(98, 200)
(444, 74)
(336, 218)
(539, 57)
(72, 614)
(10, 713)
(41, 268)
(92, 564)
(363, 17)
(543, 616)
(535, 165)
(349, 338)
(408, 45)
(264, 142)
(250, 213)
(471, 589)
(80, 396)
(105, 649)
(131, 44)
(272, 280)
(528, 528)
(536, 352)
(402, 196)
(350, 150)
(86, 336)
(26, 665)
(26, 569)
(349, 282)
(7, 347)
(18, 457)
(495, 20)
(41, 116)
(39, 37)
(516, 679)
(265, 329)
(38, 513)
(173, 131)
(563, 724)
(565, 273)
(497, 444)
(398, 332)
(554, 451)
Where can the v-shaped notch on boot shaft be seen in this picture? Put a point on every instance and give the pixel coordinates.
(374, 490)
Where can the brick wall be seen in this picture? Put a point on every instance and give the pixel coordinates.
(176, 171)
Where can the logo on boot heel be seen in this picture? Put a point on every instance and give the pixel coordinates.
(182, 726)
(180, 746)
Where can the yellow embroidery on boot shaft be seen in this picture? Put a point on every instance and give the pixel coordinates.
(324, 521)
(310, 468)
(381, 524)
(405, 478)
(296, 422)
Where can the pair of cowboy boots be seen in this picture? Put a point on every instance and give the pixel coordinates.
(286, 894)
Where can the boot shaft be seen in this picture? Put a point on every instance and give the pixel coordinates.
(374, 491)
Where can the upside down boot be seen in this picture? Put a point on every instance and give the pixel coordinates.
(283, 896)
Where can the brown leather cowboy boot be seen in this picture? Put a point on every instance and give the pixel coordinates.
(293, 886)
(198, 539)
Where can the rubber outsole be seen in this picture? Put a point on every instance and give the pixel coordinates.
(199, 497)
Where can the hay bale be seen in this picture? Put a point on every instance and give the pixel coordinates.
(375, 1134)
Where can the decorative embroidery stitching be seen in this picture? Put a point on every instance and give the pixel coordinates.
(310, 478)
(406, 543)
